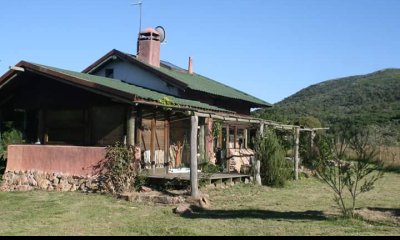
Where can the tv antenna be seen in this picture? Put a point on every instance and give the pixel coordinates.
(139, 3)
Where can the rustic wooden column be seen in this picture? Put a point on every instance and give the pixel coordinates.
(296, 152)
(227, 149)
(201, 140)
(257, 169)
(1, 124)
(245, 143)
(193, 156)
(88, 126)
(261, 130)
(153, 143)
(138, 126)
(235, 144)
(209, 139)
(40, 131)
(312, 137)
(130, 126)
(166, 143)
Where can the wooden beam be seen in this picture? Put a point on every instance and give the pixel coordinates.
(130, 125)
(296, 152)
(193, 157)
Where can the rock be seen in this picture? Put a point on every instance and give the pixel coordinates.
(204, 202)
(43, 184)
(183, 209)
(73, 188)
(24, 188)
(246, 181)
(145, 189)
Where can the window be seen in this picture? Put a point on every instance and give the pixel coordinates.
(109, 73)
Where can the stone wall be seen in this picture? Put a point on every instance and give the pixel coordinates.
(36, 180)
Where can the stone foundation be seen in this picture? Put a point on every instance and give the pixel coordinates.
(36, 180)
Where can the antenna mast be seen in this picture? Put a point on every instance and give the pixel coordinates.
(139, 3)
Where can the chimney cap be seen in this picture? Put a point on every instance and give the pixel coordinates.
(150, 30)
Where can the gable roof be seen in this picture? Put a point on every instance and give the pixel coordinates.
(181, 78)
(113, 87)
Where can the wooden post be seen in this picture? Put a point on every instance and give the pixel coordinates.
(296, 152)
(235, 144)
(153, 143)
(166, 143)
(88, 128)
(130, 126)
(245, 144)
(1, 124)
(193, 156)
(40, 131)
(201, 142)
(258, 177)
(312, 137)
(261, 129)
(227, 149)
(209, 139)
(138, 127)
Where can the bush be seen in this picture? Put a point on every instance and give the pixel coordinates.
(275, 170)
(348, 176)
(141, 179)
(118, 170)
(9, 136)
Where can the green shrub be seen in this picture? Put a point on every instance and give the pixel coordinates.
(118, 171)
(141, 179)
(9, 136)
(275, 170)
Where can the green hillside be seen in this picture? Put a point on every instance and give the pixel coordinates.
(372, 99)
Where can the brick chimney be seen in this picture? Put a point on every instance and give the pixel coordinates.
(149, 47)
(190, 67)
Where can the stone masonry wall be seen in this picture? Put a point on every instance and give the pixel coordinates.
(36, 180)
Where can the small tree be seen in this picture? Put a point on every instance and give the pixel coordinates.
(10, 136)
(118, 170)
(348, 175)
(275, 170)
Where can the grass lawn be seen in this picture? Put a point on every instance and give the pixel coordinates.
(302, 208)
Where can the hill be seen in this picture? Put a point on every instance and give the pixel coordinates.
(371, 99)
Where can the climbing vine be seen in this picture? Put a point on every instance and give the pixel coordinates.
(217, 128)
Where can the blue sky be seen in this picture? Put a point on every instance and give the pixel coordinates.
(268, 48)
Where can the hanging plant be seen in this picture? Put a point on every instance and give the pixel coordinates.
(217, 128)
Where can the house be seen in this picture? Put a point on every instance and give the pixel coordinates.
(67, 117)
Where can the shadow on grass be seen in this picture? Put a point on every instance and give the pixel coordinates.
(254, 213)
(394, 211)
(392, 168)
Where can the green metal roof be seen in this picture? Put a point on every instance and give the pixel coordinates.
(207, 85)
(200, 83)
(140, 92)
